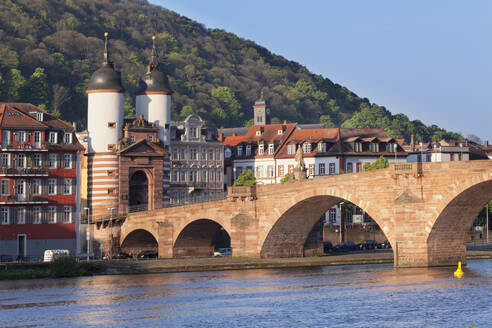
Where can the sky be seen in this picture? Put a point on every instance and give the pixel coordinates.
(430, 60)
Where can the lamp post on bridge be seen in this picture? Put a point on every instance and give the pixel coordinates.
(111, 233)
(87, 231)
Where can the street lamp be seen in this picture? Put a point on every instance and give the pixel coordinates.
(395, 148)
(111, 233)
(87, 232)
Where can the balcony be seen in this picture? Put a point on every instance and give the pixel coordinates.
(23, 172)
(24, 146)
(24, 199)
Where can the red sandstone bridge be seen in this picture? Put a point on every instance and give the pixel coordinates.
(424, 209)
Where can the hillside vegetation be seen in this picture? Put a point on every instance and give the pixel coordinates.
(51, 47)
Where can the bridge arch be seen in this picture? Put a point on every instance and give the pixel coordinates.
(289, 233)
(139, 240)
(200, 238)
(446, 242)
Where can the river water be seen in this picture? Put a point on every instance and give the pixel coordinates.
(336, 296)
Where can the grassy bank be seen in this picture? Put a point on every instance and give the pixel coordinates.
(65, 266)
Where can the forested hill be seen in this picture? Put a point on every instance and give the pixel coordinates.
(49, 49)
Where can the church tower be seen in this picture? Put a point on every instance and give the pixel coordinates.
(104, 129)
(153, 99)
(261, 111)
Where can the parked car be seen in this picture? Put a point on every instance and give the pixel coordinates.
(51, 254)
(6, 258)
(147, 255)
(384, 244)
(327, 247)
(346, 246)
(223, 252)
(368, 244)
(122, 256)
(83, 256)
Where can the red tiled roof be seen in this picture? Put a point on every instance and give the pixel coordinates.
(11, 117)
(314, 135)
(233, 140)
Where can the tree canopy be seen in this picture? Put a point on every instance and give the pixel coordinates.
(380, 163)
(246, 179)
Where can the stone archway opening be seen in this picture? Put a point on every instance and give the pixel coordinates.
(139, 191)
(300, 230)
(201, 238)
(447, 240)
(138, 241)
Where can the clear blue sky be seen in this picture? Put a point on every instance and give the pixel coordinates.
(430, 60)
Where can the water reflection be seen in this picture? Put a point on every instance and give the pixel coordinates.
(355, 296)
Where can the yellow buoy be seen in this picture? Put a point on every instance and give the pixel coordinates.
(459, 273)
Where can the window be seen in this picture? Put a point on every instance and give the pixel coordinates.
(36, 215)
(321, 169)
(151, 138)
(5, 160)
(4, 215)
(259, 171)
(248, 150)
(174, 198)
(271, 149)
(204, 176)
(219, 175)
(67, 186)
(193, 154)
(52, 214)
(306, 148)
(175, 176)
(132, 138)
(451, 157)
(280, 170)
(36, 187)
(321, 147)
(291, 169)
(217, 154)
(52, 137)
(258, 133)
(333, 215)
(112, 125)
(52, 187)
(357, 147)
(37, 161)
(67, 214)
(193, 133)
(391, 147)
(291, 149)
(239, 170)
(37, 137)
(175, 153)
(4, 187)
(311, 170)
(331, 169)
(21, 161)
(192, 176)
(52, 160)
(212, 176)
(227, 153)
(183, 176)
(350, 167)
(67, 161)
(239, 151)
(374, 147)
(67, 138)
(358, 167)
(182, 156)
(21, 136)
(21, 215)
(39, 116)
(20, 187)
(270, 171)
(210, 154)
(5, 138)
(279, 132)
(261, 149)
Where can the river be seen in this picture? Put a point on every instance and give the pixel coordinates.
(337, 296)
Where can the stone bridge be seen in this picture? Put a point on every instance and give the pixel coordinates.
(424, 209)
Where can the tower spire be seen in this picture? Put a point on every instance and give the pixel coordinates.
(106, 52)
(153, 58)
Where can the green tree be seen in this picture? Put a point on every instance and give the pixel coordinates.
(326, 121)
(36, 89)
(380, 163)
(247, 178)
(286, 178)
(228, 103)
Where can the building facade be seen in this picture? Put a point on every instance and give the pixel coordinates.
(39, 182)
(197, 162)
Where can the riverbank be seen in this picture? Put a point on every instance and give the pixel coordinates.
(13, 271)
(231, 263)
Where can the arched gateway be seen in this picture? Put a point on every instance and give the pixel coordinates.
(424, 210)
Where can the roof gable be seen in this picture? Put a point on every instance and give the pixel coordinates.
(143, 148)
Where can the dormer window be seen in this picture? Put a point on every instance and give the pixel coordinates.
(227, 153)
(391, 148)
(271, 149)
(239, 151)
(306, 148)
(52, 137)
(279, 132)
(132, 138)
(291, 149)
(258, 133)
(248, 150)
(261, 149)
(67, 138)
(357, 147)
(37, 115)
(193, 133)
(321, 147)
(151, 138)
(374, 147)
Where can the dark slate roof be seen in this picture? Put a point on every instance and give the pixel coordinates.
(227, 132)
(106, 78)
(153, 80)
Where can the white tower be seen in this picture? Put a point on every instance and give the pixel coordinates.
(104, 129)
(154, 98)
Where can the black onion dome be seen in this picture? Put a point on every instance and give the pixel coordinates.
(106, 78)
(153, 81)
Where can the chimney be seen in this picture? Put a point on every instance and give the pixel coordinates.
(285, 122)
(233, 134)
(412, 143)
(221, 137)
